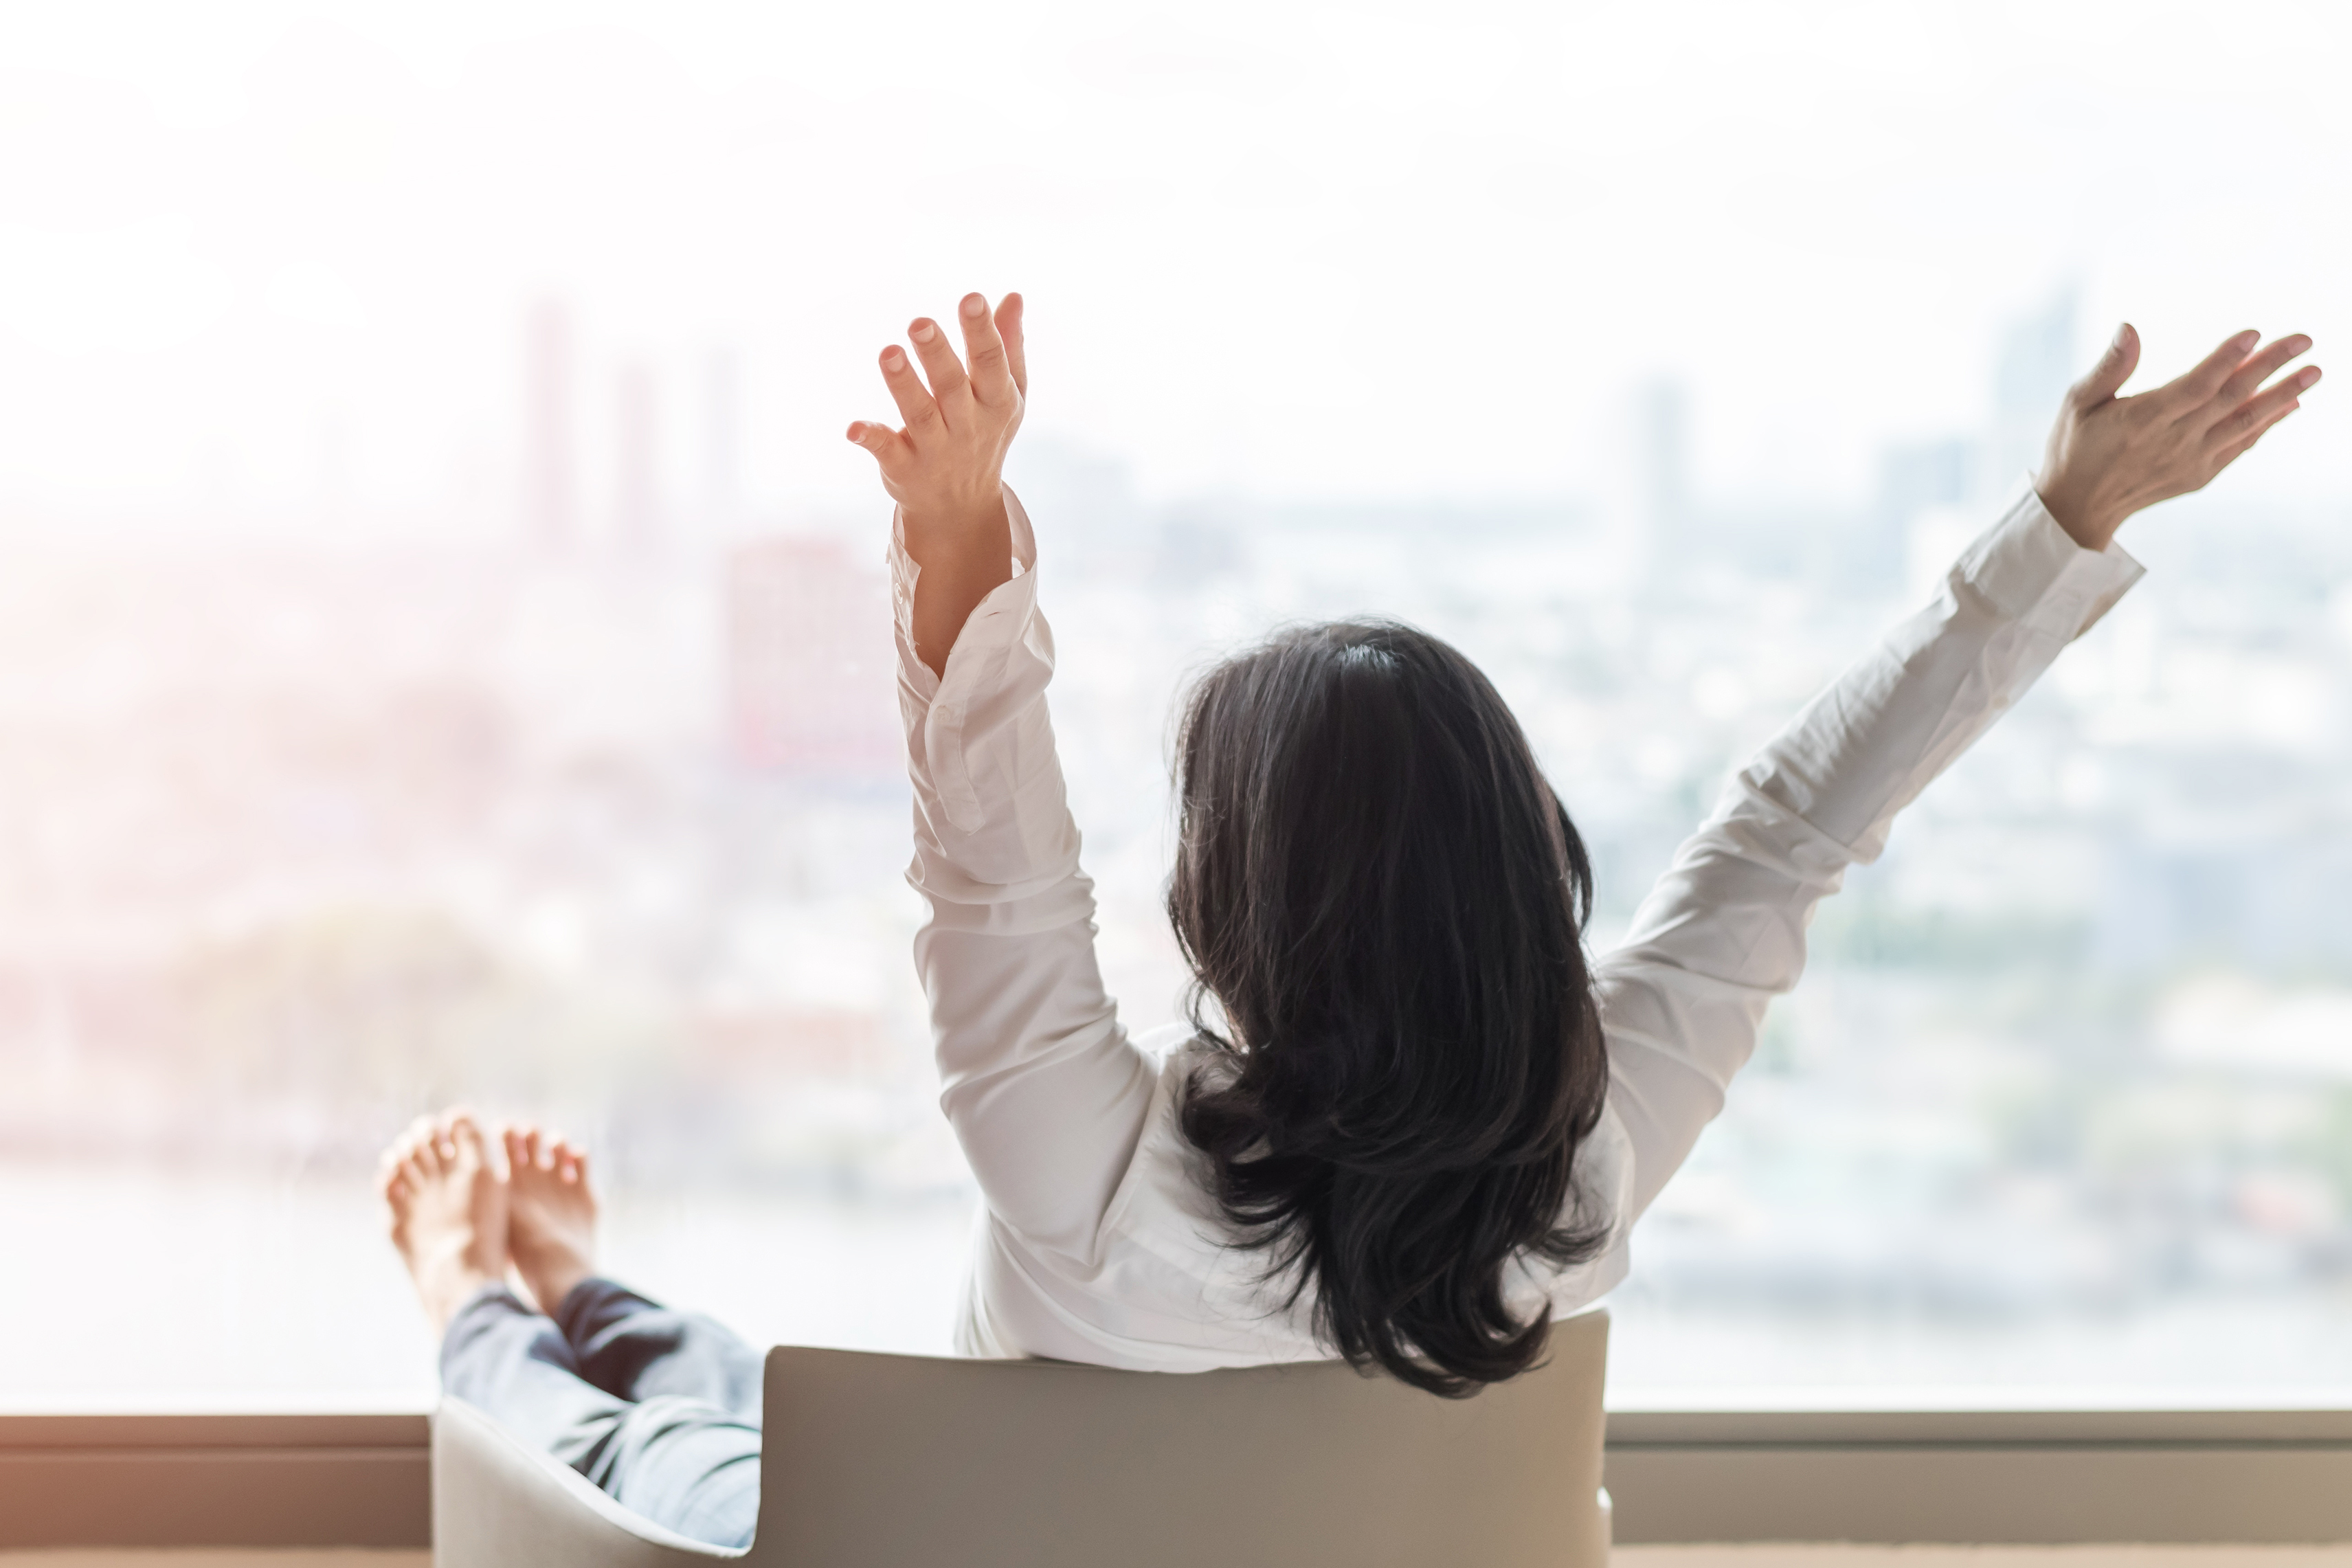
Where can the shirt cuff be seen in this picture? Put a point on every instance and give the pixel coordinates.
(2027, 568)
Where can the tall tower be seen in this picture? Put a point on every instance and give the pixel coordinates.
(811, 665)
(721, 415)
(1661, 465)
(637, 484)
(548, 502)
(2036, 363)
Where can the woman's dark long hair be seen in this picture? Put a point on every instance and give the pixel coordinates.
(1385, 901)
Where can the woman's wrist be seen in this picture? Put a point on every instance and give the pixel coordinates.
(965, 553)
(2089, 518)
(939, 532)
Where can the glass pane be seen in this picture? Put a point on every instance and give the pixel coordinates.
(444, 653)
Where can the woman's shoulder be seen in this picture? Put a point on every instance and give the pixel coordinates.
(1175, 1037)
(1178, 1053)
(1602, 1198)
(1166, 1176)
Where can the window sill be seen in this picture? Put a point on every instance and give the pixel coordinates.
(1686, 1474)
(338, 1479)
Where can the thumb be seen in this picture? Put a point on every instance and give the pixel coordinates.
(886, 443)
(2115, 368)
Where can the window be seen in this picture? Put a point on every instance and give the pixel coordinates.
(443, 650)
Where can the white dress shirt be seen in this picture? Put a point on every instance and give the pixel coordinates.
(1097, 1241)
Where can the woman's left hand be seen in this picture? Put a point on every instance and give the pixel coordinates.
(2110, 456)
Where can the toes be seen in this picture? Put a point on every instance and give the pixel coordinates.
(401, 1149)
(458, 1132)
(529, 1149)
(571, 1164)
(425, 1154)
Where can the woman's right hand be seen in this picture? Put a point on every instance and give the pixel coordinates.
(2110, 456)
(946, 468)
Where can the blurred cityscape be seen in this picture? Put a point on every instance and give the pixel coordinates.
(602, 820)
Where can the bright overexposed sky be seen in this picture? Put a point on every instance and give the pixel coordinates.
(261, 259)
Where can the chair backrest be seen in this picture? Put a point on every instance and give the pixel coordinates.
(871, 1461)
(886, 1461)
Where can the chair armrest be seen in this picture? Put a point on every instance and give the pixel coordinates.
(497, 1504)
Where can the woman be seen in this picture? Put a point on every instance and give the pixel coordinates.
(1405, 1123)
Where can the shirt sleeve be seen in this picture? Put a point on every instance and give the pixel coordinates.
(1044, 1089)
(1724, 930)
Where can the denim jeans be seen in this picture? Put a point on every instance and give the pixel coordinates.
(661, 1409)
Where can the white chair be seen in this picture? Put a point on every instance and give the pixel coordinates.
(889, 1461)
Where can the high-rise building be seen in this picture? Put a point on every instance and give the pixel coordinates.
(549, 501)
(1656, 474)
(2036, 367)
(810, 673)
(1934, 480)
(721, 414)
(636, 448)
(1662, 453)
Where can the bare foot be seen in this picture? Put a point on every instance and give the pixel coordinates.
(448, 1210)
(552, 1230)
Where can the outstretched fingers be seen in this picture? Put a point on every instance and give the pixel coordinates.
(1008, 331)
(907, 390)
(2248, 378)
(991, 371)
(949, 386)
(2230, 454)
(2244, 426)
(2191, 392)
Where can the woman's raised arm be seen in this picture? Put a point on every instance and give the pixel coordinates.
(1724, 930)
(1046, 1093)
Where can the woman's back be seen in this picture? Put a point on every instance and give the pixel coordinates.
(1102, 1237)
(1407, 975)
